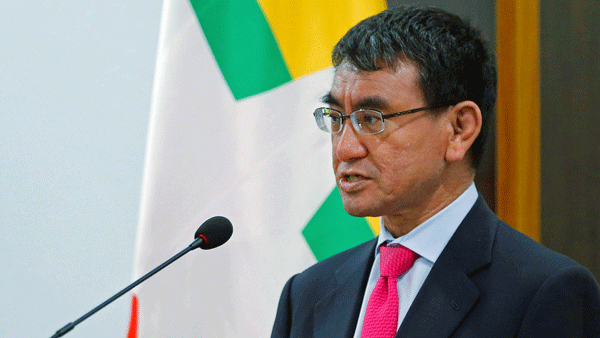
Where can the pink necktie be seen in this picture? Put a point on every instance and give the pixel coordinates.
(381, 317)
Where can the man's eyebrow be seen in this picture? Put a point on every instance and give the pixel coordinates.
(372, 102)
(330, 100)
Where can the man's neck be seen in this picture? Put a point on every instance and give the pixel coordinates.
(403, 222)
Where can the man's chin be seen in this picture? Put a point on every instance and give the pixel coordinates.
(359, 210)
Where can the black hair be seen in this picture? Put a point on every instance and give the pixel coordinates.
(453, 60)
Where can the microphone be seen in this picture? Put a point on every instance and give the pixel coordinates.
(212, 233)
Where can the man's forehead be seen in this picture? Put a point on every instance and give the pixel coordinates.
(348, 67)
(381, 89)
(346, 71)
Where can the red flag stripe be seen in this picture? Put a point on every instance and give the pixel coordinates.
(133, 323)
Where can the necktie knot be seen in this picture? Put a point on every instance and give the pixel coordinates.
(395, 260)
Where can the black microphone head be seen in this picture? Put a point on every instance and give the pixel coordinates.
(215, 231)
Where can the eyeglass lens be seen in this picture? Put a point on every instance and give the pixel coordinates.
(364, 121)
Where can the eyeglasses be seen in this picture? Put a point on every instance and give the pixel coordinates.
(365, 121)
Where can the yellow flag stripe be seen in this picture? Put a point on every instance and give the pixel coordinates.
(374, 224)
(307, 30)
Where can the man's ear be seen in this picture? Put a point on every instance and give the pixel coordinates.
(465, 119)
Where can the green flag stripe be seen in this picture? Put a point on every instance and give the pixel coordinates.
(332, 230)
(243, 45)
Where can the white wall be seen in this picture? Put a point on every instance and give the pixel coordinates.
(75, 90)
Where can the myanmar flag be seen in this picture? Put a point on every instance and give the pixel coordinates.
(232, 133)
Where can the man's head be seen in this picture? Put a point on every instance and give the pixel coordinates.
(453, 60)
(411, 165)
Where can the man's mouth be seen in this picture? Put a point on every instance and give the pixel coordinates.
(354, 178)
(350, 183)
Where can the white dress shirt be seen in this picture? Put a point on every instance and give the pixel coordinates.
(427, 240)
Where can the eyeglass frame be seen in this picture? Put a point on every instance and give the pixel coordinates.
(352, 117)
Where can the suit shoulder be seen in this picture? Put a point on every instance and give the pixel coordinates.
(522, 254)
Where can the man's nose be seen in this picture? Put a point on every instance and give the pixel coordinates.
(348, 144)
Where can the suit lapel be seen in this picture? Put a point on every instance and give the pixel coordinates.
(448, 294)
(338, 311)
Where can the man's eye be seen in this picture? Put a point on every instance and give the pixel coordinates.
(370, 118)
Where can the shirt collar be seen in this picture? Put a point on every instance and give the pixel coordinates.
(430, 237)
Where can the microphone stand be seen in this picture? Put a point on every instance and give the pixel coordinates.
(195, 244)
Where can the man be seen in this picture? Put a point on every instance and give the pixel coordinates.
(412, 96)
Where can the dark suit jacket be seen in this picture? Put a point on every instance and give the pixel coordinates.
(489, 281)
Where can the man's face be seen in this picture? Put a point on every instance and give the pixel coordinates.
(400, 171)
